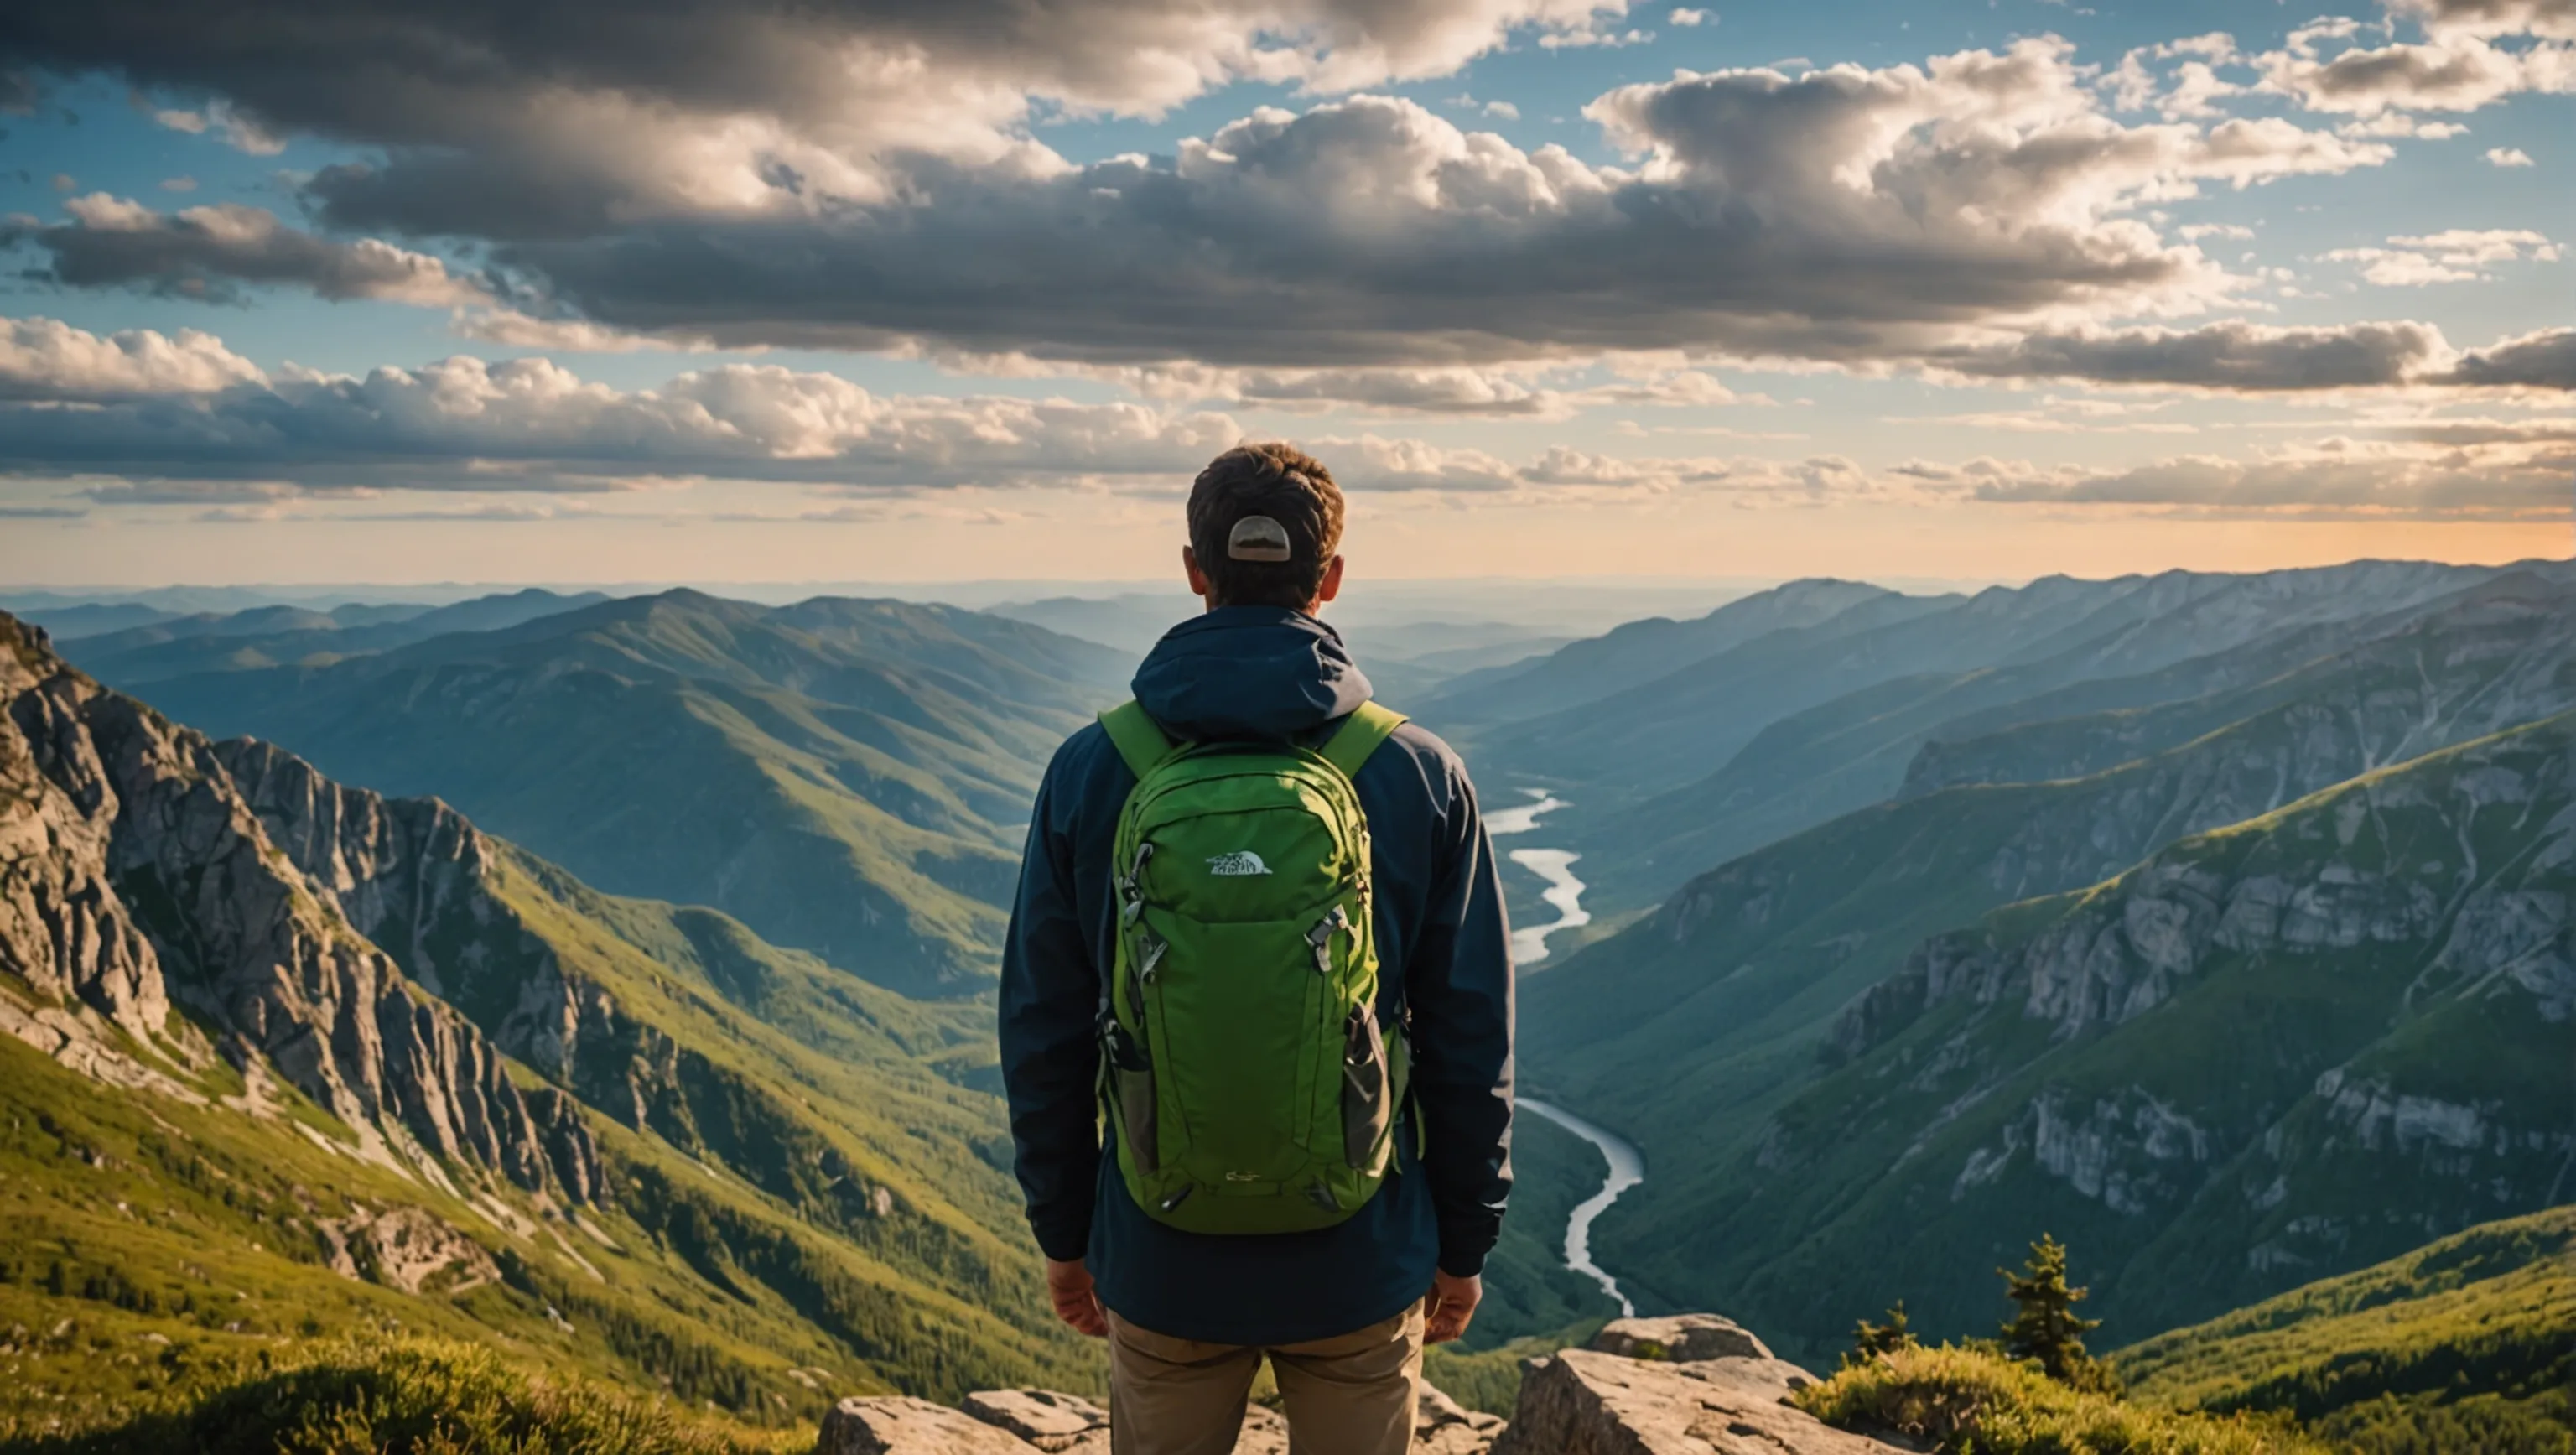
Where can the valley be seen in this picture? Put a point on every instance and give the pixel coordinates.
(639, 1016)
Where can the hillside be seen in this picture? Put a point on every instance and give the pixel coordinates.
(1732, 985)
(1911, 733)
(2282, 1049)
(273, 636)
(287, 1059)
(2468, 1343)
(845, 777)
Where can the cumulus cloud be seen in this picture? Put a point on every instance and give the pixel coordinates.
(2508, 157)
(2457, 255)
(2542, 360)
(2458, 66)
(47, 359)
(208, 252)
(607, 112)
(1686, 17)
(1845, 214)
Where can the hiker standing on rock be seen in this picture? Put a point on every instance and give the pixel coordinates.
(1256, 1009)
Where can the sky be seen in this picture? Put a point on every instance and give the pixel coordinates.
(418, 290)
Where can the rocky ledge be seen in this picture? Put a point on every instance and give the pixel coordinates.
(1689, 1384)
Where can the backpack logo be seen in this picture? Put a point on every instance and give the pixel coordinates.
(1238, 864)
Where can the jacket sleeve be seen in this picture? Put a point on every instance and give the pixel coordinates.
(1048, 1012)
(1460, 986)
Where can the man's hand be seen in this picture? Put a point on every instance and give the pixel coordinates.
(1452, 1303)
(1069, 1289)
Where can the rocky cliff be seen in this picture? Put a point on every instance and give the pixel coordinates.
(156, 926)
(1690, 1384)
(2287, 1048)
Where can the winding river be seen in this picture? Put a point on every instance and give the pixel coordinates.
(1627, 1169)
(1564, 894)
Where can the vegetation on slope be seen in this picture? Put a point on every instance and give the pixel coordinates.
(846, 777)
(410, 1396)
(1960, 1400)
(2468, 1343)
(2196, 1070)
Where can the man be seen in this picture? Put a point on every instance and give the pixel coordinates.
(1342, 1311)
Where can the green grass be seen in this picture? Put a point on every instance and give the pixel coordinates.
(2468, 1343)
(1958, 1401)
(405, 1397)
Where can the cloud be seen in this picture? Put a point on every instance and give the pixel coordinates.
(207, 252)
(2457, 67)
(1846, 214)
(599, 113)
(2233, 356)
(2508, 157)
(1687, 18)
(528, 424)
(2458, 255)
(2188, 90)
(2542, 360)
(241, 132)
(2513, 475)
(1562, 474)
(47, 359)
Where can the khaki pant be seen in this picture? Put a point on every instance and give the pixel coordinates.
(1348, 1395)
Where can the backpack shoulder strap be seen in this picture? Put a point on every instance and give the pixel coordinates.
(1139, 739)
(1359, 735)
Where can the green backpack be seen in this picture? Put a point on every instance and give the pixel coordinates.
(1243, 1068)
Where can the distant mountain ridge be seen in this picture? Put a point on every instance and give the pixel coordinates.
(847, 777)
(338, 1059)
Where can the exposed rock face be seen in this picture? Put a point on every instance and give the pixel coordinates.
(903, 1426)
(1679, 1339)
(135, 875)
(1689, 1384)
(1583, 1402)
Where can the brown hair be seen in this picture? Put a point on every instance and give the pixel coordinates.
(1287, 485)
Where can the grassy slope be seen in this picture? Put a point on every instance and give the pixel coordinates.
(846, 777)
(2198, 1157)
(2467, 1343)
(1967, 1402)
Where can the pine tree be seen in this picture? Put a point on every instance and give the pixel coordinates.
(2044, 1327)
(1869, 1340)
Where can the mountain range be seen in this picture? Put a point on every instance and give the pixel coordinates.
(289, 1058)
(846, 777)
(607, 979)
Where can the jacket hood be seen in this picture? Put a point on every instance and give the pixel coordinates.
(1249, 672)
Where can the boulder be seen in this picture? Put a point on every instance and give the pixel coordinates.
(1442, 1426)
(1679, 1339)
(897, 1425)
(1042, 1417)
(1585, 1402)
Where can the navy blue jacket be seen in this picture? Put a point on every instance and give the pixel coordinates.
(1272, 674)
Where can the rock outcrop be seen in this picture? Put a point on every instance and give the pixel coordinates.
(135, 878)
(1688, 1384)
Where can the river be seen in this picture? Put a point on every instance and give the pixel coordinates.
(1564, 892)
(1627, 1169)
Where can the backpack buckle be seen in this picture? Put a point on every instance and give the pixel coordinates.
(1321, 938)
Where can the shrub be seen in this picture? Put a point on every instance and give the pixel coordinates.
(1959, 1401)
(406, 1397)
